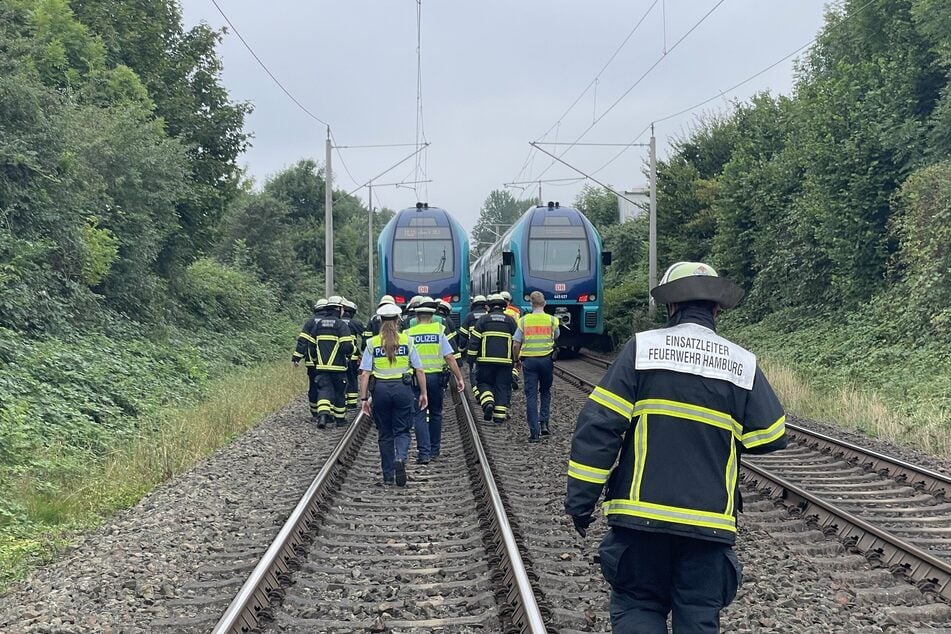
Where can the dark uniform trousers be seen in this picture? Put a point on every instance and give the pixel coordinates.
(312, 391)
(539, 375)
(495, 387)
(653, 574)
(332, 393)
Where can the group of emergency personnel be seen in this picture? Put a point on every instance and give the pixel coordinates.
(664, 429)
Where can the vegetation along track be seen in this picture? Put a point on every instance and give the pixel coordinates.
(438, 555)
(892, 512)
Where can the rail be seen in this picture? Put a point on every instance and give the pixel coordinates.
(928, 572)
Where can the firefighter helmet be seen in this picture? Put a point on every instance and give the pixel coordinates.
(696, 281)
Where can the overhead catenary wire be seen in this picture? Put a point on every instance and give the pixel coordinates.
(593, 82)
(643, 76)
(267, 70)
(723, 93)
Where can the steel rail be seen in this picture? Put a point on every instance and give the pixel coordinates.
(593, 360)
(928, 572)
(264, 583)
(879, 546)
(527, 616)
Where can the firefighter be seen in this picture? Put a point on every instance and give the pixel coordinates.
(476, 309)
(391, 360)
(534, 346)
(680, 404)
(372, 327)
(514, 312)
(409, 313)
(444, 315)
(490, 339)
(331, 348)
(303, 351)
(353, 364)
(430, 339)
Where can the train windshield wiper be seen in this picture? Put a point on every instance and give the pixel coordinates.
(441, 267)
(577, 264)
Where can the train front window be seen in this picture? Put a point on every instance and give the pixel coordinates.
(417, 257)
(558, 255)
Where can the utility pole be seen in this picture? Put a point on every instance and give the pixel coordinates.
(370, 244)
(652, 255)
(328, 223)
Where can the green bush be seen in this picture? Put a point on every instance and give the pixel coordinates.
(213, 291)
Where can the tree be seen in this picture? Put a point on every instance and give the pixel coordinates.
(499, 212)
(599, 205)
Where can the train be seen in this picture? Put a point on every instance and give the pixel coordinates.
(423, 250)
(555, 250)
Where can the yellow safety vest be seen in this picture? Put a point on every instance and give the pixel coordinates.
(538, 334)
(383, 369)
(426, 340)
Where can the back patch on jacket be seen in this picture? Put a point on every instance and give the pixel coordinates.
(693, 349)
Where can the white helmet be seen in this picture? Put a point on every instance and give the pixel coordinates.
(389, 311)
(426, 305)
(334, 301)
(386, 299)
(506, 296)
(321, 304)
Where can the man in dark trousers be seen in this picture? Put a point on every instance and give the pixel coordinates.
(534, 348)
(331, 349)
(303, 352)
(491, 341)
(680, 404)
(356, 329)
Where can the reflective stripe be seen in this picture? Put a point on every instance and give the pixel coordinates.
(763, 436)
(730, 479)
(486, 341)
(305, 336)
(673, 514)
(690, 412)
(640, 457)
(613, 402)
(428, 351)
(585, 473)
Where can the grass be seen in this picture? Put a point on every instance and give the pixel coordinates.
(925, 426)
(87, 491)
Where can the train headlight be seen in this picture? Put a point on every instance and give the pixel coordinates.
(528, 297)
(592, 297)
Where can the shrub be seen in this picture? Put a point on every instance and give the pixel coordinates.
(212, 291)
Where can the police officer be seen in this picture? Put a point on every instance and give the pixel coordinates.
(303, 351)
(534, 345)
(353, 364)
(491, 341)
(391, 359)
(372, 327)
(331, 348)
(476, 309)
(436, 353)
(680, 404)
(514, 312)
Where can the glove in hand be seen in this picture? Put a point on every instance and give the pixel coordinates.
(582, 522)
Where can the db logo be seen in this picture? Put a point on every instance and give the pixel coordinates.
(560, 288)
(422, 289)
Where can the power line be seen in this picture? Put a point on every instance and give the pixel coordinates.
(594, 82)
(640, 79)
(266, 69)
(722, 93)
(333, 141)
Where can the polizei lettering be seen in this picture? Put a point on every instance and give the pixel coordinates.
(693, 349)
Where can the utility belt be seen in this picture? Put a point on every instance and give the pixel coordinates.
(406, 379)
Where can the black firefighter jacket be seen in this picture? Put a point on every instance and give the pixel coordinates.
(490, 339)
(327, 343)
(680, 404)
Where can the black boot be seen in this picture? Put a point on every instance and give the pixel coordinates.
(544, 426)
(487, 411)
(322, 421)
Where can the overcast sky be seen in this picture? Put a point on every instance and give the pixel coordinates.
(496, 75)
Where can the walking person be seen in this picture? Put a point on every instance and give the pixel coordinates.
(514, 312)
(303, 352)
(372, 327)
(680, 404)
(444, 315)
(491, 341)
(389, 361)
(476, 309)
(436, 353)
(534, 347)
(353, 363)
(332, 346)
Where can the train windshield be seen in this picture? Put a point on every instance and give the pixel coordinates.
(421, 250)
(558, 249)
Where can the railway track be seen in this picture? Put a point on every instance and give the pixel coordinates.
(892, 512)
(438, 555)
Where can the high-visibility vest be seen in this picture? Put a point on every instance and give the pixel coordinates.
(426, 340)
(383, 368)
(538, 334)
(512, 311)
